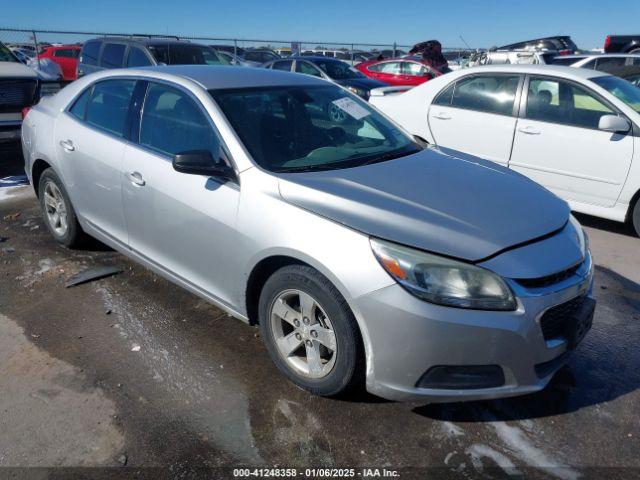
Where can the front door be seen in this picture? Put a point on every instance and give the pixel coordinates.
(558, 143)
(185, 224)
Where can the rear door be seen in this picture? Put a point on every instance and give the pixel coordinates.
(67, 58)
(388, 72)
(90, 142)
(558, 144)
(477, 115)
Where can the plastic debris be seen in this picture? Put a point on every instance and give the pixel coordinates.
(91, 274)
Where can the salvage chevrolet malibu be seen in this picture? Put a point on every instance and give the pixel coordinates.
(366, 259)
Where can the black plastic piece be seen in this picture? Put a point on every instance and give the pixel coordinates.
(463, 377)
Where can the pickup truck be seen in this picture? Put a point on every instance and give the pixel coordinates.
(19, 89)
(622, 44)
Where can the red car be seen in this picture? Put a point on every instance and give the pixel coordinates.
(409, 71)
(67, 57)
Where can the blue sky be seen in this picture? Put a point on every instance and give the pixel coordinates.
(481, 23)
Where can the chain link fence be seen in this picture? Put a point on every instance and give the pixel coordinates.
(31, 42)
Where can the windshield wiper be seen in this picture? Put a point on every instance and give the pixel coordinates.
(388, 156)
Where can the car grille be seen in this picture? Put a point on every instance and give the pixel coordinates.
(554, 321)
(17, 94)
(552, 279)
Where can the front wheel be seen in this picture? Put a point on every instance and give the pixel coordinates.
(310, 332)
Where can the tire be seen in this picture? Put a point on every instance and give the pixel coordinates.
(340, 370)
(635, 51)
(57, 211)
(635, 217)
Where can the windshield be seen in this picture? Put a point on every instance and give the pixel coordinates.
(181, 54)
(304, 128)
(6, 55)
(620, 89)
(338, 70)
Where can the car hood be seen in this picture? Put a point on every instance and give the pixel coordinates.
(15, 69)
(363, 83)
(441, 201)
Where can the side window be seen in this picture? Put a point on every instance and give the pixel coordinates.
(445, 96)
(172, 123)
(79, 108)
(393, 68)
(415, 69)
(90, 53)
(113, 55)
(137, 58)
(63, 52)
(109, 105)
(557, 101)
(486, 93)
(605, 62)
(282, 65)
(308, 69)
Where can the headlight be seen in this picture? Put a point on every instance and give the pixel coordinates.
(583, 239)
(443, 281)
(357, 91)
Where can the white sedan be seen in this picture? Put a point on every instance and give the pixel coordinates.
(573, 130)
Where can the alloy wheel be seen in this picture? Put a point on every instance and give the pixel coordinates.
(55, 209)
(303, 334)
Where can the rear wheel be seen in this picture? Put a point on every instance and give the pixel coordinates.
(58, 213)
(310, 331)
(635, 214)
(635, 51)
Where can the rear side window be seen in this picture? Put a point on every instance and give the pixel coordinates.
(90, 53)
(308, 69)
(445, 97)
(113, 55)
(172, 122)
(605, 62)
(109, 105)
(79, 108)
(282, 65)
(66, 53)
(137, 58)
(487, 93)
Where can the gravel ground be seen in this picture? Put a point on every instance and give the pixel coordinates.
(133, 374)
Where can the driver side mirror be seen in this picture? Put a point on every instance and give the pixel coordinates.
(614, 124)
(201, 162)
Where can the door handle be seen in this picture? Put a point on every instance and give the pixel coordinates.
(442, 116)
(136, 179)
(67, 145)
(529, 130)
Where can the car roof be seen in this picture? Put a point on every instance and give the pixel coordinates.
(562, 71)
(315, 58)
(598, 54)
(146, 41)
(213, 77)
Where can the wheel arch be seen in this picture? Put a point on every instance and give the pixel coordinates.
(258, 277)
(634, 200)
(39, 166)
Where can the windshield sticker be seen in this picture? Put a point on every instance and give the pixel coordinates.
(351, 107)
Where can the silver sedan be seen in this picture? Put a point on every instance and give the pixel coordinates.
(366, 258)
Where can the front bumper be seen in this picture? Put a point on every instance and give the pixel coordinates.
(407, 336)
